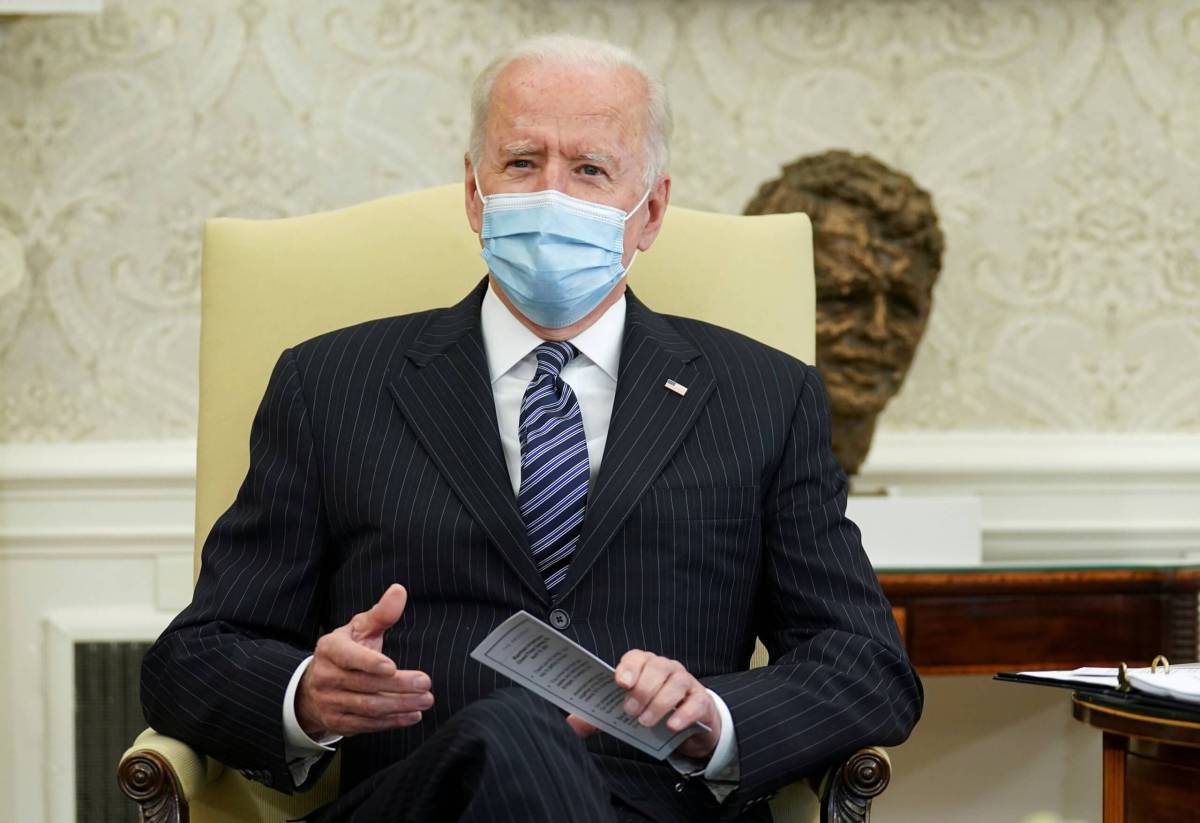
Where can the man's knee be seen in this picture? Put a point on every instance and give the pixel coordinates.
(514, 722)
(515, 705)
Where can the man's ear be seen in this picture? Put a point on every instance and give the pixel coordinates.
(473, 203)
(656, 208)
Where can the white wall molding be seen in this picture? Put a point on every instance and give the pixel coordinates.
(51, 6)
(1056, 496)
(111, 463)
(901, 457)
(1045, 496)
(97, 499)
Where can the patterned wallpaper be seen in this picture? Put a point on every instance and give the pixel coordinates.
(1061, 141)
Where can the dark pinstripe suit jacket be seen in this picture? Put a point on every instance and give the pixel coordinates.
(717, 517)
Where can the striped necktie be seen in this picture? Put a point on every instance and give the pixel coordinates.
(554, 464)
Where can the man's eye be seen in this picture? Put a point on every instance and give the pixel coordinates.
(520, 164)
(591, 171)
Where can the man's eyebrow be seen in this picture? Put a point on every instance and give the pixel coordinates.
(597, 157)
(521, 148)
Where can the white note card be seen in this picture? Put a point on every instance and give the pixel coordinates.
(558, 669)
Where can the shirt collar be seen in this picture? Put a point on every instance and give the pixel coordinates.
(507, 340)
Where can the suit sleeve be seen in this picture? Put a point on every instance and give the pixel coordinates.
(217, 676)
(839, 678)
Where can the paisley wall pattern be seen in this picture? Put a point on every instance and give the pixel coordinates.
(1061, 141)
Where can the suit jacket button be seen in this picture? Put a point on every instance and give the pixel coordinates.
(559, 619)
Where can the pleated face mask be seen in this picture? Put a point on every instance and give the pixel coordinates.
(555, 256)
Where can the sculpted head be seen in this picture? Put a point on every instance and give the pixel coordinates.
(578, 116)
(877, 252)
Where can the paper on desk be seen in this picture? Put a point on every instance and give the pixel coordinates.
(1181, 682)
(557, 668)
(1088, 675)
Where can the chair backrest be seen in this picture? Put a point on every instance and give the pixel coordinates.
(269, 284)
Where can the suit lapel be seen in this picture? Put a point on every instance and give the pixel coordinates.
(444, 391)
(648, 423)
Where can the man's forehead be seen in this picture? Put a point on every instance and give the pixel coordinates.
(582, 131)
(564, 122)
(588, 85)
(564, 101)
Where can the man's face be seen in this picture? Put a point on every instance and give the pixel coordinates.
(578, 130)
(871, 311)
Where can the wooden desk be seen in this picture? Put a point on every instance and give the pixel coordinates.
(989, 619)
(1151, 764)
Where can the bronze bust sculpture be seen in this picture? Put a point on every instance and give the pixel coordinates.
(877, 251)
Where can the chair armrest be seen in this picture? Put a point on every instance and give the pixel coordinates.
(849, 787)
(161, 775)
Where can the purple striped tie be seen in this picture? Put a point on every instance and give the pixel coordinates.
(554, 465)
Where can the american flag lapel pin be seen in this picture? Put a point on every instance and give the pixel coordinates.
(678, 388)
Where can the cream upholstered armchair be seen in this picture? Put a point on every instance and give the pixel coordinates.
(270, 284)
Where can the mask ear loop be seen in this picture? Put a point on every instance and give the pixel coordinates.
(631, 259)
(478, 191)
(631, 212)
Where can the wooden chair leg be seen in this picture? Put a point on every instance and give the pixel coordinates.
(854, 785)
(148, 781)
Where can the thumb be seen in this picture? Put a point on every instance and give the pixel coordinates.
(382, 616)
(581, 726)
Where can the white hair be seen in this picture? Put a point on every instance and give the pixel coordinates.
(567, 49)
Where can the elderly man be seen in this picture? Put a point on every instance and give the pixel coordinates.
(659, 489)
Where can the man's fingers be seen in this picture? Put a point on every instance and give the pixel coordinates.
(659, 686)
(380, 617)
(379, 705)
(348, 724)
(695, 707)
(672, 692)
(630, 667)
(399, 682)
(344, 653)
(653, 675)
(581, 726)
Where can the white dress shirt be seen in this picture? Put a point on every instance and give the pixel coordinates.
(592, 376)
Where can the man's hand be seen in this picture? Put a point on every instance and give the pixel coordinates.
(351, 687)
(656, 685)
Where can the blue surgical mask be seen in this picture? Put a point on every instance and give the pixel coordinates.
(555, 256)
